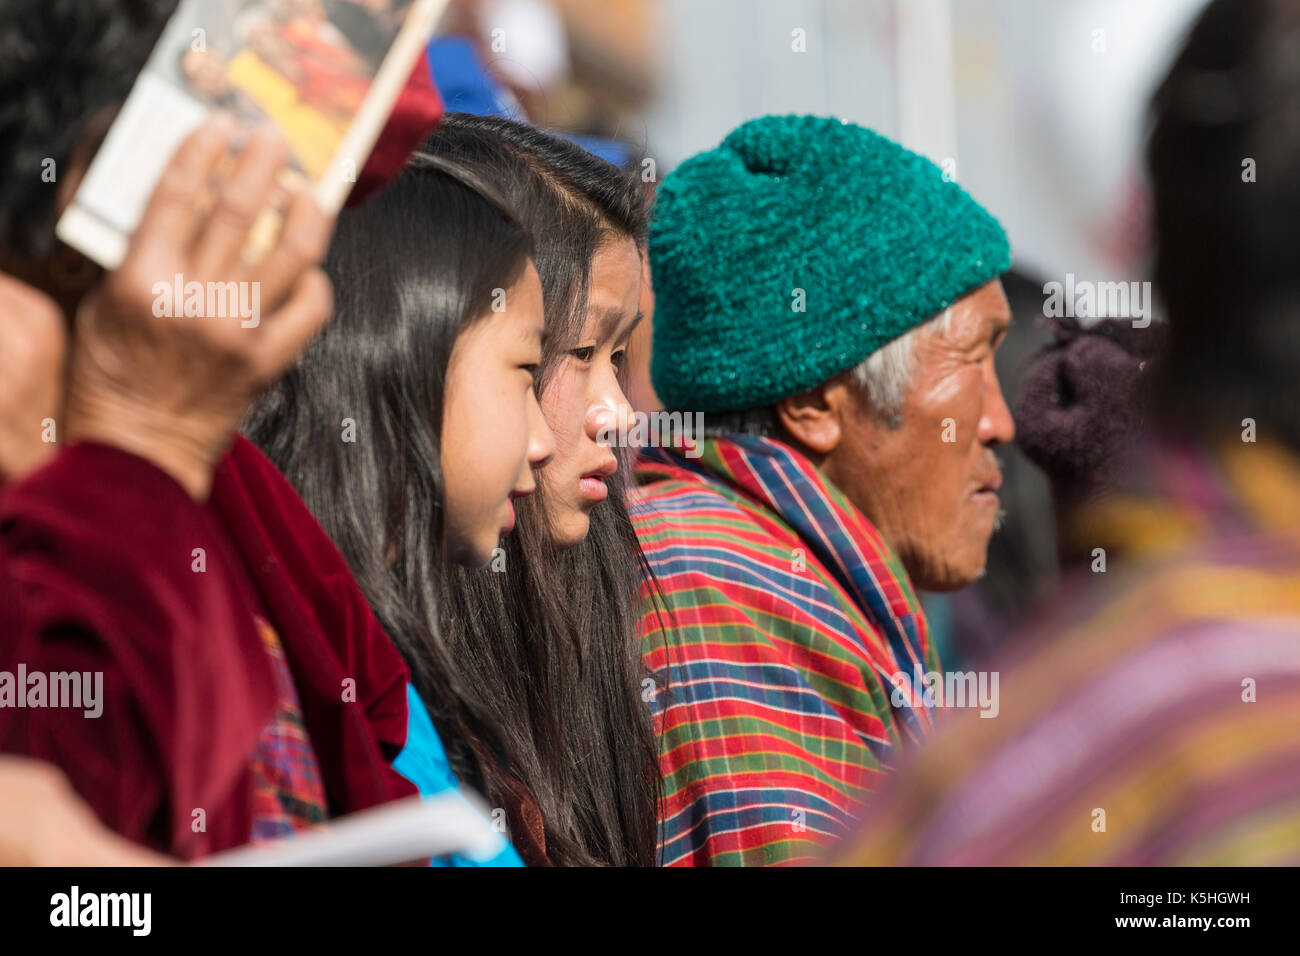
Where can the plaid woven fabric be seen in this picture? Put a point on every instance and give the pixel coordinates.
(288, 792)
(788, 619)
(1152, 719)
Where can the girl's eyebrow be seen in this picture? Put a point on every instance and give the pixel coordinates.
(607, 320)
(631, 326)
(532, 332)
(611, 324)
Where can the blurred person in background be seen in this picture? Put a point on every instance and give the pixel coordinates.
(184, 574)
(585, 66)
(42, 820)
(1152, 719)
(1083, 407)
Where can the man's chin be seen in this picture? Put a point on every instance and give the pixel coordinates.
(949, 575)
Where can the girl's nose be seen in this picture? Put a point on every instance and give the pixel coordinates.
(608, 419)
(541, 440)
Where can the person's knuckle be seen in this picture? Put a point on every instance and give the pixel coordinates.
(175, 186)
(205, 135)
(295, 253)
(130, 286)
(237, 207)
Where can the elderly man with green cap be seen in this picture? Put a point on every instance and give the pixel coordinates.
(830, 302)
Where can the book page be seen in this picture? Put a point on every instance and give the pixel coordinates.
(409, 830)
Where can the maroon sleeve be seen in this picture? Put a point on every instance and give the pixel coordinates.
(350, 677)
(108, 567)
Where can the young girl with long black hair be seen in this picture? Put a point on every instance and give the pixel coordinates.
(412, 426)
(576, 765)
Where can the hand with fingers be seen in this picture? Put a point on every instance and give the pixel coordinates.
(170, 380)
(44, 823)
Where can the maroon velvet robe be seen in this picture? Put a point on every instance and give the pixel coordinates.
(97, 573)
(98, 557)
(98, 552)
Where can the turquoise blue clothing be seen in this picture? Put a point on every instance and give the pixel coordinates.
(423, 761)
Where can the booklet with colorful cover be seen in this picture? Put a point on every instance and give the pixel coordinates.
(326, 73)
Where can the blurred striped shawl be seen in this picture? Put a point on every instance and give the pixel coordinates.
(1167, 697)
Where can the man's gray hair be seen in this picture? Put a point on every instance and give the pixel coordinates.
(886, 373)
(885, 376)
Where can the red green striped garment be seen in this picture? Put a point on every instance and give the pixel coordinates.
(1154, 718)
(788, 619)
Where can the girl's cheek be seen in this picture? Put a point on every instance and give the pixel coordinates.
(564, 412)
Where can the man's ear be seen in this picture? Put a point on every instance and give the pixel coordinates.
(815, 418)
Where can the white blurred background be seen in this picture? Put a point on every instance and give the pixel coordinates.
(1039, 104)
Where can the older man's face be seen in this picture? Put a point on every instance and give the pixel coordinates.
(930, 485)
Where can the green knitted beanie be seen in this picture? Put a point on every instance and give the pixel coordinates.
(796, 249)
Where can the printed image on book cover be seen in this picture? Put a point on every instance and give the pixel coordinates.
(306, 65)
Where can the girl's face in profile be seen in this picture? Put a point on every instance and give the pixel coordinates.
(584, 396)
(493, 432)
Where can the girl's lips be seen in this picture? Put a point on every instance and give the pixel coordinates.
(510, 508)
(593, 488)
(592, 484)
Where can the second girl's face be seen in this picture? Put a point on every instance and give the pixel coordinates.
(584, 395)
(493, 432)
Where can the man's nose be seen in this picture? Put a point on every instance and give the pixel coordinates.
(996, 427)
